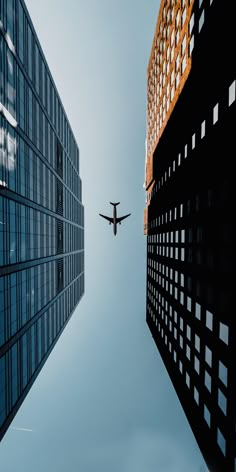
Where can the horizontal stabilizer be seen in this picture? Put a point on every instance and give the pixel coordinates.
(115, 204)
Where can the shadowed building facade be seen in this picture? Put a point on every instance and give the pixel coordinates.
(41, 211)
(189, 217)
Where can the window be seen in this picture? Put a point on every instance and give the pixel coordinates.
(198, 311)
(188, 352)
(185, 150)
(191, 45)
(187, 380)
(207, 381)
(223, 373)
(222, 402)
(189, 303)
(193, 141)
(197, 342)
(191, 23)
(232, 94)
(221, 441)
(196, 395)
(215, 113)
(209, 320)
(201, 21)
(188, 332)
(207, 415)
(224, 333)
(196, 364)
(181, 367)
(203, 129)
(208, 356)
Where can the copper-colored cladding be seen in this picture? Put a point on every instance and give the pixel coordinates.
(168, 69)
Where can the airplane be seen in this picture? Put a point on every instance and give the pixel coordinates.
(115, 220)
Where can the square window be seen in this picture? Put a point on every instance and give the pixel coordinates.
(196, 395)
(175, 356)
(197, 343)
(198, 311)
(209, 320)
(188, 352)
(232, 90)
(182, 280)
(181, 341)
(221, 441)
(208, 356)
(185, 150)
(222, 402)
(207, 415)
(196, 364)
(187, 380)
(181, 367)
(188, 332)
(203, 129)
(223, 373)
(182, 235)
(215, 113)
(182, 254)
(189, 303)
(193, 141)
(224, 333)
(207, 381)
(181, 324)
(201, 21)
(181, 298)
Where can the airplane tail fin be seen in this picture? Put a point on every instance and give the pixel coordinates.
(115, 204)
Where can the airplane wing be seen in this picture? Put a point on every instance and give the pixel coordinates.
(118, 220)
(107, 218)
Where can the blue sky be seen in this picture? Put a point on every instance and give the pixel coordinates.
(103, 401)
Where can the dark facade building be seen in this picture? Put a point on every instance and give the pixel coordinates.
(189, 218)
(41, 211)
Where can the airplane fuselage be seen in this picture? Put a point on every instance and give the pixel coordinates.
(114, 221)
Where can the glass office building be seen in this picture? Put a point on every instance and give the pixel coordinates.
(190, 223)
(41, 211)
